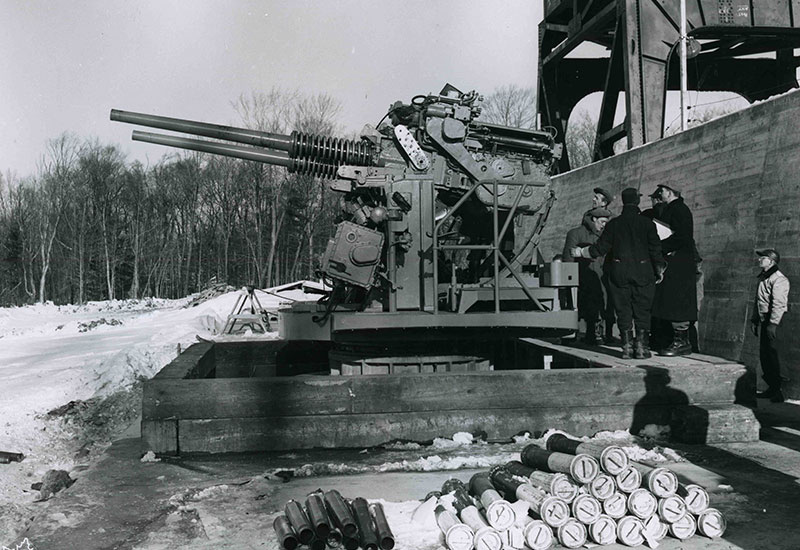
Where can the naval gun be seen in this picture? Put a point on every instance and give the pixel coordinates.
(441, 215)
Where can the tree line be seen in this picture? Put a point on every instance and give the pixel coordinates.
(90, 225)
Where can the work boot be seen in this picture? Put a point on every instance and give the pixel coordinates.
(766, 394)
(608, 338)
(598, 331)
(777, 397)
(680, 345)
(641, 348)
(627, 344)
(590, 338)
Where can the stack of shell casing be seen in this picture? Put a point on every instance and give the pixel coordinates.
(573, 492)
(328, 519)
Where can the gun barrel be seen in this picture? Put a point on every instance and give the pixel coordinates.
(281, 142)
(297, 144)
(277, 158)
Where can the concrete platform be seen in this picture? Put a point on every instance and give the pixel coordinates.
(224, 501)
(220, 398)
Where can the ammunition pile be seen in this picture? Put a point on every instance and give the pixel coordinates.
(573, 492)
(327, 519)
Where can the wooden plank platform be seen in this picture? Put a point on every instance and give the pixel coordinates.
(246, 412)
(611, 356)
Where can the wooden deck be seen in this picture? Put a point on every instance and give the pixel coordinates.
(218, 398)
(611, 356)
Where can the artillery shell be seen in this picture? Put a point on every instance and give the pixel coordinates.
(602, 487)
(384, 532)
(684, 527)
(538, 535)
(340, 513)
(661, 482)
(628, 480)
(586, 509)
(334, 538)
(315, 507)
(629, 531)
(670, 509)
(498, 511)
(488, 539)
(562, 444)
(457, 535)
(451, 485)
(654, 528)
(711, 523)
(642, 503)
(572, 534)
(604, 530)
(616, 506)
(366, 528)
(285, 533)
(557, 484)
(696, 498)
(299, 521)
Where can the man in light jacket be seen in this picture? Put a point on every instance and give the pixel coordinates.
(772, 300)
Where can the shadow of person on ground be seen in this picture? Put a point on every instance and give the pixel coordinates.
(665, 406)
(780, 424)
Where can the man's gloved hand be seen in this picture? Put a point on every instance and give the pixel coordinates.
(772, 330)
(754, 327)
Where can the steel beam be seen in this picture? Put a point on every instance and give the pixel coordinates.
(640, 37)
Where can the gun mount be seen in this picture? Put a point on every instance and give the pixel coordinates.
(441, 216)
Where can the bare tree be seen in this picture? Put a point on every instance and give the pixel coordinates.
(268, 112)
(581, 132)
(103, 169)
(315, 115)
(510, 106)
(56, 171)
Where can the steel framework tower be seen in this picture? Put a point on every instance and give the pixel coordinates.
(742, 46)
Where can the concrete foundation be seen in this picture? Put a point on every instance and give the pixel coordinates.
(212, 399)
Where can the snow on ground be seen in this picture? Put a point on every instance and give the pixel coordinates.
(84, 365)
(67, 356)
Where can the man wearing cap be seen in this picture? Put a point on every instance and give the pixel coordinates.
(591, 300)
(602, 198)
(676, 298)
(772, 299)
(636, 266)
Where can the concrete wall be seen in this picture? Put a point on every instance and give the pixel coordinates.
(741, 178)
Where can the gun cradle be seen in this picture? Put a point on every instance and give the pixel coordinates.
(436, 205)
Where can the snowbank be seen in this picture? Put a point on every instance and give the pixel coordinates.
(85, 360)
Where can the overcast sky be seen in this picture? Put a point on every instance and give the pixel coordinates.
(65, 64)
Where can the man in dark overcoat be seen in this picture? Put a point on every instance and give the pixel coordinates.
(676, 297)
(635, 268)
(591, 297)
